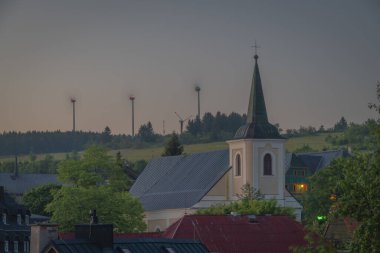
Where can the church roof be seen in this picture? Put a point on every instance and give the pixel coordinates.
(179, 181)
(257, 125)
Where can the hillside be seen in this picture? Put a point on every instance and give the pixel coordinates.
(316, 142)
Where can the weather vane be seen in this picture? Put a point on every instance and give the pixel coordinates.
(255, 47)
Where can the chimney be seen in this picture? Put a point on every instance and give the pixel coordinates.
(41, 235)
(2, 194)
(27, 217)
(252, 218)
(100, 234)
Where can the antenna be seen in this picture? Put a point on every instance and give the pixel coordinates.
(163, 127)
(181, 121)
(198, 89)
(73, 100)
(132, 98)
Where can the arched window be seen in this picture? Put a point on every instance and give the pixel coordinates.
(237, 165)
(267, 165)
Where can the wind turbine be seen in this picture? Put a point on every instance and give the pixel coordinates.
(73, 100)
(132, 98)
(198, 89)
(181, 120)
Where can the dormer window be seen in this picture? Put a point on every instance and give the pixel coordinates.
(268, 165)
(238, 165)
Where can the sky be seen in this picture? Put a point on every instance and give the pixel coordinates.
(319, 61)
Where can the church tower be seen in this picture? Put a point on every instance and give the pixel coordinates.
(257, 152)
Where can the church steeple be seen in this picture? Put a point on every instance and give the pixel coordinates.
(256, 107)
(257, 125)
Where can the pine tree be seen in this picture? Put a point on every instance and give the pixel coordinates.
(173, 146)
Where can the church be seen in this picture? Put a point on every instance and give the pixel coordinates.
(170, 187)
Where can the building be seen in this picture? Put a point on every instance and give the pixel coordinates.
(240, 233)
(300, 166)
(15, 224)
(170, 187)
(98, 238)
(16, 184)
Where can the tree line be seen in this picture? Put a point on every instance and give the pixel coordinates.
(209, 128)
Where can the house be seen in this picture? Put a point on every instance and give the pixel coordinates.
(16, 184)
(14, 224)
(339, 231)
(170, 187)
(240, 233)
(98, 238)
(300, 166)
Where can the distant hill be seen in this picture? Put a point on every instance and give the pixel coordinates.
(315, 142)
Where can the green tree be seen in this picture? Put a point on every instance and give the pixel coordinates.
(95, 182)
(341, 125)
(95, 168)
(249, 193)
(173, 146)
(146, 132)
(254, 206)
(71, 206)
(106, 135)
(355, 183)
(37, 198)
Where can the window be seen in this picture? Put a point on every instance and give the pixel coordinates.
(237, 165)
(299, 173)
(6, 246)
(26, 244)
(267, 165)
(300, 188)
(15, 246)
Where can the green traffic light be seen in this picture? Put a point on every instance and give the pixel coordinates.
(321, 218)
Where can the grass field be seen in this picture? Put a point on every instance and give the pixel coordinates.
(316, 142)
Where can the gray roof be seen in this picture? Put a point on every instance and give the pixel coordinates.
(314, 160)
(326, 157)
(179, 181)
(138, 245)
(24, 182)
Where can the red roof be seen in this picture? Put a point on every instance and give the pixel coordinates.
(227, 233)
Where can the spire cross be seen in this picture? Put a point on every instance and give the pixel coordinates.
(255, 47)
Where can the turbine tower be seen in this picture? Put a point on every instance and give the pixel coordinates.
(132, 98)
(181, 121)
(198, 89)
(73, 100)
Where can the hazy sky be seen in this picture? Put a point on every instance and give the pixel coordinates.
(319, 60)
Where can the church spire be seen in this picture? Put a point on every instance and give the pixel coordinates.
(257, 111)
(257, 125)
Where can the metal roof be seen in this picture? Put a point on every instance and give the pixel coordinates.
(179, 181)
(134, 245)
(228, 233)
(257, 125)
(24, 182)
(326, 157)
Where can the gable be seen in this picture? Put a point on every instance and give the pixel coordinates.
(179, 181)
